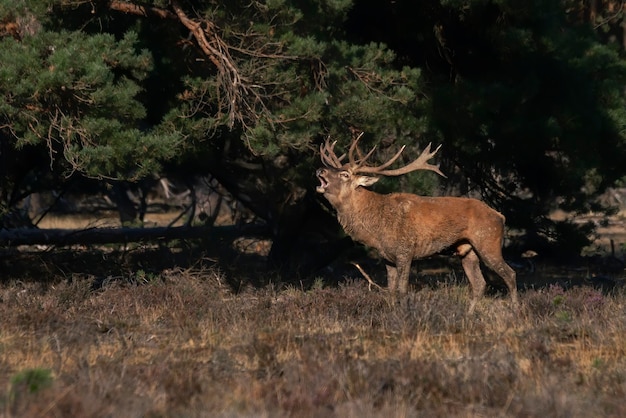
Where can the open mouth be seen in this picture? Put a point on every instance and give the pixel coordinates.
(323, 182)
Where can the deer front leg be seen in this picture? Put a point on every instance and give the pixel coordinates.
(403, 268)
(398, 276)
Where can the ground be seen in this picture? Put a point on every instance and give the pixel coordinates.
(149, 330)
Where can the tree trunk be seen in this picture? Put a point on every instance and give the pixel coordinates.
(306, 239)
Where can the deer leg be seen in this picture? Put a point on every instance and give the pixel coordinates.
(490, 252)
(471, 265)
(496, 263)
(392, 277)
(403, 268)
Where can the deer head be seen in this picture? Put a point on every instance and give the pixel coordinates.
(338, 180)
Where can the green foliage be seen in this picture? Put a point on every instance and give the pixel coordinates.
(76, 95)
(526, 96)
(31, 381)
(539, 106)
(142, 277)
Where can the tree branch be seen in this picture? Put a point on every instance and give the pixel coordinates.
(239, 99)
(136, 9)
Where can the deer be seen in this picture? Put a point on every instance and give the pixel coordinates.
(404, 227)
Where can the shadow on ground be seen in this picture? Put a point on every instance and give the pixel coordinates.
(143, 263)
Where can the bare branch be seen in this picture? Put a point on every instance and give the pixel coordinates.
(367, 277)
(140, 10)
(370, 80)
(241, 59)
(240, 100)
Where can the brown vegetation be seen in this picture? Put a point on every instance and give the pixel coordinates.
(183, 343)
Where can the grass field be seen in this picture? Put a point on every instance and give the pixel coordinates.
(182, 343)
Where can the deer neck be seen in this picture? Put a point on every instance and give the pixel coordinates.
(355, 214)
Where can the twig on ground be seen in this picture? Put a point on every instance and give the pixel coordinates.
(367, 277)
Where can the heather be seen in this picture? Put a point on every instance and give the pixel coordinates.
(186, 342)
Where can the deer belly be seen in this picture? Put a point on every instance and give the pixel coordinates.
(420, 251)
(426, 249)
(394, 251)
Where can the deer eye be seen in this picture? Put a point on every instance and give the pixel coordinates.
(344, 175)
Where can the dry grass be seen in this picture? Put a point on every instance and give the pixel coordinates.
(182, 343)
(102, 220)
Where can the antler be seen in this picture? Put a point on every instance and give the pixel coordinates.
(327, 151)
(421, 163)
(362, 158)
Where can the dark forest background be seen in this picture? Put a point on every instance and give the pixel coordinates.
(109, 97)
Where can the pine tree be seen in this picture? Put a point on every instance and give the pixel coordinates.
(246, 92)
(526, 97)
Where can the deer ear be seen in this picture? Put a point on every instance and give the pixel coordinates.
(366, 181)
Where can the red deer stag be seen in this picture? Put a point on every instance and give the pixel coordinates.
(404, 227)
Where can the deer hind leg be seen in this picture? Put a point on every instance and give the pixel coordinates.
(471, 266)
(492, 257)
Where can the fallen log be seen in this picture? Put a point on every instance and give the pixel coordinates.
(62, 237)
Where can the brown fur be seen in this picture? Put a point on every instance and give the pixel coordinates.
(404, 227)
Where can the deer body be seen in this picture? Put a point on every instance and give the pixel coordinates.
(403, 227)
